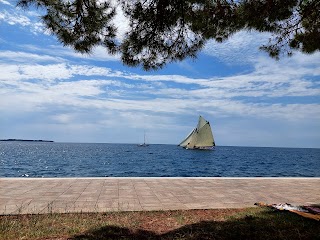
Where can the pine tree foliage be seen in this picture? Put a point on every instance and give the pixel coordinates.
(81, 24)
(163, 31)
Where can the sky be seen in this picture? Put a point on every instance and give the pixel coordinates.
(49, 92)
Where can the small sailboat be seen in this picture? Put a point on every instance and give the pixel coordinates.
(200, 137)
(144, 144)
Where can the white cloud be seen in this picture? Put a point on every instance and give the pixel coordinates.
(36, 72)
(71, 94)
(86, 70)
(63, 118)
(240, 48)
(14, 18)
(5, 2)
(98, 54)
(60, 83)
(25, 57)
(26, 20)
(121, 22)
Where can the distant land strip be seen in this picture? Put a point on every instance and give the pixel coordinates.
(24, 140)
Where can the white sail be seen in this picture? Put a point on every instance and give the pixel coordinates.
(199, 138)
(187, 139)
(202, 122)
(205, 136)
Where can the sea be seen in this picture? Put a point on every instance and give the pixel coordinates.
(47, 159)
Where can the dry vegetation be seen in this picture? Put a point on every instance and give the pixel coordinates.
(252, 223)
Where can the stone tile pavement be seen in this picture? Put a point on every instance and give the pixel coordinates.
(46, 195)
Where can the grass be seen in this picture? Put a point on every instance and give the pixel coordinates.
(249, 223)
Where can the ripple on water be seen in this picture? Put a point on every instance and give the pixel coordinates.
(99, 160)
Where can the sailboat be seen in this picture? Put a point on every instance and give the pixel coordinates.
(144, 144)
(200, 137)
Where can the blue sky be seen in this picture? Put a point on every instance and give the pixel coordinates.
(47, 91)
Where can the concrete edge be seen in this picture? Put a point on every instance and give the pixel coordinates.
(128, 178)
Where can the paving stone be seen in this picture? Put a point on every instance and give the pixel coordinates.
(47, 195)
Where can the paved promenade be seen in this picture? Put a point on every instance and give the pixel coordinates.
(43, 195)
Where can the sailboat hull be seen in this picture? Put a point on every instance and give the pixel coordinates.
(143, 145)
(201, 148)
(205, 148)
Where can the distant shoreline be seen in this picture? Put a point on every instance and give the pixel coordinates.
(24, 140)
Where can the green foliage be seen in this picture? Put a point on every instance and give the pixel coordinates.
(81, 24)
(160, 32)
(163, 31)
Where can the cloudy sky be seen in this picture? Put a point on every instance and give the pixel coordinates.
(48, 91)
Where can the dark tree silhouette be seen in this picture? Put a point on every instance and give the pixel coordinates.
(163, 31)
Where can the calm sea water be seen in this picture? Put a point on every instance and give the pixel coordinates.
(32, 159)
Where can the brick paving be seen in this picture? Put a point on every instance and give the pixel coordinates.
(48, 195)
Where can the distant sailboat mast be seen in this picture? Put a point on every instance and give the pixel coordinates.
(144, 137)
(144, 144)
